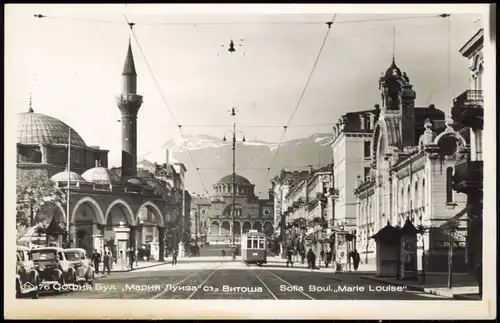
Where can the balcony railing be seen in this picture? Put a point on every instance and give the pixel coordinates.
(468, 109)
(468, 176)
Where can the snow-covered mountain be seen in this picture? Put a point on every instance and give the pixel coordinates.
(213, 158)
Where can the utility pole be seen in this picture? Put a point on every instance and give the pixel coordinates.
(234, 181)
(68, 237)
(233, 113)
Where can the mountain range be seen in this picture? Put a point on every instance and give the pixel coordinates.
(213, 159)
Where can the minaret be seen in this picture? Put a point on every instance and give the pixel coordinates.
(129, 103)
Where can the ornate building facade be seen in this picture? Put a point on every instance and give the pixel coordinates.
(351, 157)
(413, 155)
(251, 213)
(468, 111)
(107, 208)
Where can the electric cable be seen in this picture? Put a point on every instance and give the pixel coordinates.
(164, 100)
(301, 96)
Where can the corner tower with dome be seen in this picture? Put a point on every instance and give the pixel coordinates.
(108, 208)
(251, 213)
(407, 181)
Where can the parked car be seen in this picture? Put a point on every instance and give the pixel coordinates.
(54, 269)
(27, 278)
(83, 265)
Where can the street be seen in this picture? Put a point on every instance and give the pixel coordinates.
(228, 279)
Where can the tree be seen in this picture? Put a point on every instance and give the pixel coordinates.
(34, 190)
(422, 230)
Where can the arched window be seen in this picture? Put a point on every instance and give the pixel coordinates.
(424, 194)
(417, 198)
(401, 204)
(408, 198)
(449, 187)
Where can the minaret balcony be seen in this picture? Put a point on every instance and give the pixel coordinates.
(468, 176)
(468, 109)
(129, 98)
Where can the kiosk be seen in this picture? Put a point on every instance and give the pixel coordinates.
(408, 265)
(388, 241)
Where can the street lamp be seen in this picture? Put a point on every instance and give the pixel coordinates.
(233, 113)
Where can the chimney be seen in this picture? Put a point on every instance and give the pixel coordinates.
(167, 158)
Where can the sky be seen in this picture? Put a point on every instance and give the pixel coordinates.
(71, 63)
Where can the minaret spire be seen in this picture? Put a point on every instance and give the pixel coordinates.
(129, 103)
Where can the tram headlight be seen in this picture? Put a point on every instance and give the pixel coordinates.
(41, 268)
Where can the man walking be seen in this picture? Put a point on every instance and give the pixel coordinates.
(96, 260)
(108, 259)
(356, 259)
(174, 257)
(289, 258)
(311, 259)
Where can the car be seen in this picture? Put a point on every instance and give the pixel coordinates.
(54, 269)
(27, 278)
(81, 262)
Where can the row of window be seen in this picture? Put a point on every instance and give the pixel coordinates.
(256, 242)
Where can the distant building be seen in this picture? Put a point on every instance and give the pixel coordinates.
(199, 218)
(413, 154)
(309, 210)
(250, 211)
(280, 186)
(468, 111)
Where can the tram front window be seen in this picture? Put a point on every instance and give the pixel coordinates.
(249, 243)
(255, 243)
(261, 243)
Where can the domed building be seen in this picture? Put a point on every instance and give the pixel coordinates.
(251, 213)
(42, 143)
(107, 209)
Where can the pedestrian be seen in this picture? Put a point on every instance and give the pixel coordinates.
(136, 257)
(131, 258)
(311, 259)
(108, 259)
(174, 257)
(302, 256)
(322, 256)
(96, 260)
(223, 253)
(328, 258)
(289, 258)
(121, 257)
(356, 259)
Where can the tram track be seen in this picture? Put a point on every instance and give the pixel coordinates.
(194, 274)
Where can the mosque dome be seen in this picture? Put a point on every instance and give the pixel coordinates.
(100, 175)
(35, 129)
(63, 177)
(229, 180)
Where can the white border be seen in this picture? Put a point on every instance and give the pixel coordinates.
(63, 308)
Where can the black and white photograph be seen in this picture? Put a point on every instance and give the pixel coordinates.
(315, 154)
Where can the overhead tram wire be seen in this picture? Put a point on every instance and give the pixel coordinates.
(301, 95)
(165, 101)
(237, 22)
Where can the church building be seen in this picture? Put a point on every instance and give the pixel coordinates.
(250, 212)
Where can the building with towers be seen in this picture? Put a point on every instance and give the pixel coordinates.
(412, 156)
(108, 208)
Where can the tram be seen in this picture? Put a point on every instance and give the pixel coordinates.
(254, 248)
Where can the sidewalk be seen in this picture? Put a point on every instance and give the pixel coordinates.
(140, 265)
(464, 285)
